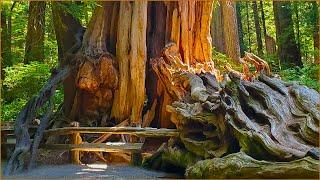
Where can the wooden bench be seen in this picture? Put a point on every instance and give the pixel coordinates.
(77, 145)
(8, 139)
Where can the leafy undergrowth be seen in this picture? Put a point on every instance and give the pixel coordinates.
(305, 76)
(21, 82)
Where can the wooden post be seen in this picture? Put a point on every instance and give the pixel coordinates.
(4, 134)
(75, 154)
(136, 158)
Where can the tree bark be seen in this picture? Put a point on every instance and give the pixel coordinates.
(288, 51)
(34, 50)
(217, 32)
(240, 165)
(257, 27)
(230, 30)
(259, 119)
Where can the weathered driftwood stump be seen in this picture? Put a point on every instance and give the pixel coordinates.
(272, 125)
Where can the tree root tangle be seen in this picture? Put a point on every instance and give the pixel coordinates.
(252, 112)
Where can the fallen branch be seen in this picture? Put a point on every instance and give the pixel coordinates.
(24, 119)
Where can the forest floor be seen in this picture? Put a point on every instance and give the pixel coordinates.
(92, 171)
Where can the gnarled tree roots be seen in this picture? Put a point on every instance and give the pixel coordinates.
(259, 116)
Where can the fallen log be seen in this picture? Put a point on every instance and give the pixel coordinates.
(252, 112)
(240, 165)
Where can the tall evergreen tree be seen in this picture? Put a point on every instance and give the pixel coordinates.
(34, 49)
(257, 27)
(240, 29)
(230, 30)
(288, 51)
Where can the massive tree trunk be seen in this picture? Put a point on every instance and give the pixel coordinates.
(124, 52)
(34, 50)
(288, 51)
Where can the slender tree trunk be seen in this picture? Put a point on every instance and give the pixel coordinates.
(248, 26)
(240, 29)
(263, 19)
(268, 40)
(4, 43)
(34, 50)
(288, 51)
(5, 53)
(257, 27)
(230, 30)
(10, 32)
(316, 35)
(296, 9)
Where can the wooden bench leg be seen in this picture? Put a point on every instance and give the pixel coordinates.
(75, 154)
(136, 158)
(3, 146)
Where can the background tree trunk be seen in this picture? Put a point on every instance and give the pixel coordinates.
(263, 19)
(240, 29)
(296, 13)
(5, 61)
(230, 30)
(257, 27)
(248, 26)
(6, 57)
(34, 50)
(316, 37)
(288, 51)
(217, 32)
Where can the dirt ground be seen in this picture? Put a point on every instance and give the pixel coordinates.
(92, 171)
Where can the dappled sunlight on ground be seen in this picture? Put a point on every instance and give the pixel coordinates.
(107, 171)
